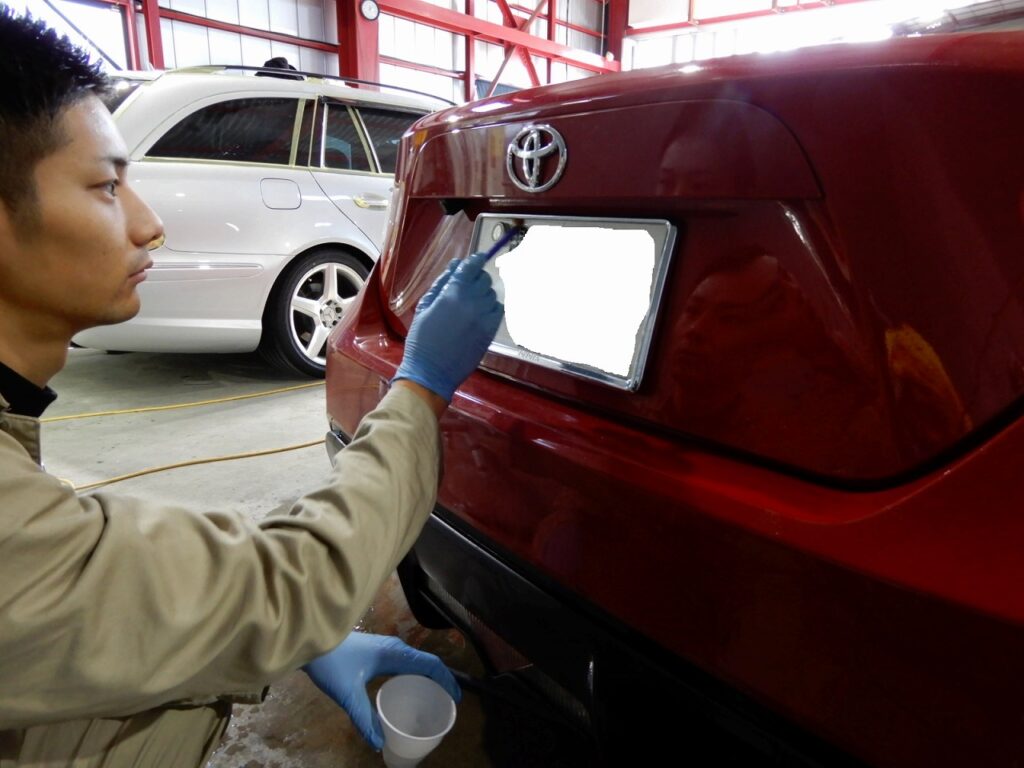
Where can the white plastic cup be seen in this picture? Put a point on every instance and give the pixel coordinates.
(415, 713)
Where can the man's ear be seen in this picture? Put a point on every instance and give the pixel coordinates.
(6, 229)
(12, 240)
(10, 247)
(13, 230)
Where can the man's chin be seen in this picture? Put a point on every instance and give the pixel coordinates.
(119, 313)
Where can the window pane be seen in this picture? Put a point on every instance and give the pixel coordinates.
(255, 51)
(95, 26)
(227, 45)
(343, 148)
(386, 129)
(250, 130)
(191, 44)
(313, 61)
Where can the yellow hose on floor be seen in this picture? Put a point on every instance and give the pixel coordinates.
(196, 404)
(191, 462)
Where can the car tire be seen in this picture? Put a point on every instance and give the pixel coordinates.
(306, 305)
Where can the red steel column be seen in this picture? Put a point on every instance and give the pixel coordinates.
(552, 30)
(470, 74)
(151, 11)
(134, 62)
(358, 41)
(618, 19)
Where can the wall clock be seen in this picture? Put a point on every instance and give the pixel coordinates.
(369, 9)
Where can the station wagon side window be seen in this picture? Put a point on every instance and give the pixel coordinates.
(343, 147)
(385, 128)
(254, 130)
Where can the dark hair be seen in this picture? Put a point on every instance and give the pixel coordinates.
(278, 62)
(42, 76)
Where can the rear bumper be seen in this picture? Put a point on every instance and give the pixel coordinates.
(589, 669)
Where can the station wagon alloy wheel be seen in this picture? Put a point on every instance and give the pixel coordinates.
(310, 300)
(319, 300)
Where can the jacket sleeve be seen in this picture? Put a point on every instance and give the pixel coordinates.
(110, 605)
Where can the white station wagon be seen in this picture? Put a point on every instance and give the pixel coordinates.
(273, 191)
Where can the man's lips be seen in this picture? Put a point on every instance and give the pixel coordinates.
(148, 263)
(140, 273)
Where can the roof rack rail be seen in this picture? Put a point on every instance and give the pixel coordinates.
(298, 74)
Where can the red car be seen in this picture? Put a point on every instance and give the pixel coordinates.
(750, 440)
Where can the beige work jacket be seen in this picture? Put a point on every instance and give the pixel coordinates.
(127, 627)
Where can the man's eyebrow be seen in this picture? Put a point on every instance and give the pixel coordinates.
(118, 161)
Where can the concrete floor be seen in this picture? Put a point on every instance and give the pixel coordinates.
(296, 725)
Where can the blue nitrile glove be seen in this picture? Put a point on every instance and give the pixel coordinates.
(344, 673)
(455, 322)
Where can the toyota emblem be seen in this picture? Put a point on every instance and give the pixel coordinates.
(530, 158)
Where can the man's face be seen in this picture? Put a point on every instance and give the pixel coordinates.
(80, 260)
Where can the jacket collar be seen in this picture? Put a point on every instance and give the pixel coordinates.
(24, 429)
(21, 396)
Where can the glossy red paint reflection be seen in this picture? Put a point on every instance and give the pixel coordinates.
(815, 494)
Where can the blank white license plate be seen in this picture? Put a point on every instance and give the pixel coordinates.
(581, 295)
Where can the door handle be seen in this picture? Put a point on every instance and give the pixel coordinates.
(370, 202)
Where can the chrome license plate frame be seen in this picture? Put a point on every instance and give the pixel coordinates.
(489, 228)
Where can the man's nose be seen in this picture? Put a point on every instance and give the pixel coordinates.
(145, 227)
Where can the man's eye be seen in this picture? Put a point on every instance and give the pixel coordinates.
(111, 187)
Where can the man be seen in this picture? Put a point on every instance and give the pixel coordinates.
(278, 62)
(127, 628)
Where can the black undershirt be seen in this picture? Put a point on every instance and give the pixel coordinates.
(26, 398)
